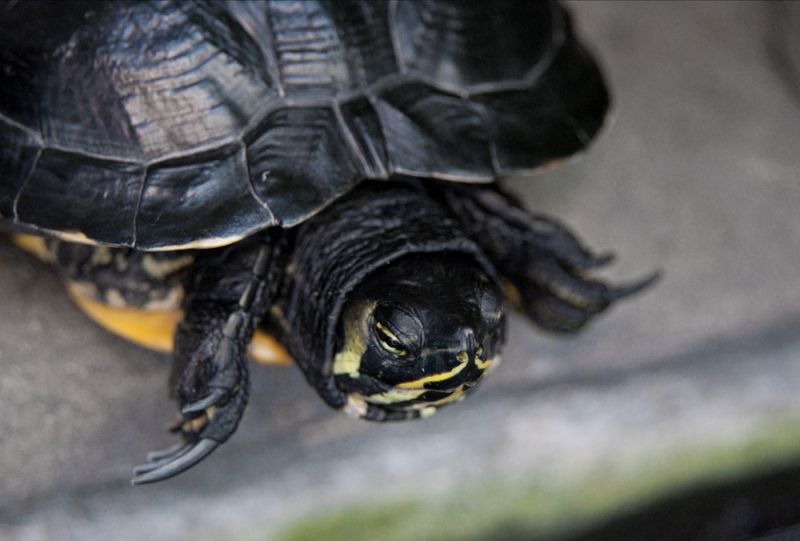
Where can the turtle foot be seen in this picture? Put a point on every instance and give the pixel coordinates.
(213, 393)
(204, 425)
(549, 271)
(562, 299)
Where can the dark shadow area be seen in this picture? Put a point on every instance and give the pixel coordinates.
(763, 506)
(744, 509)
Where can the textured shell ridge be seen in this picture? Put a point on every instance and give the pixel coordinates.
(210, 121)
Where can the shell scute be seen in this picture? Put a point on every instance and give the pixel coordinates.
(145, 80)
(364, 125)
(555, 117)
(205, 197)
(299, 161)
(175, 125)
(458, 43)
(327, 48)
(431, 133)
(101, 189)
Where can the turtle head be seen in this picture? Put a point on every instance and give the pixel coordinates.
(418, 333)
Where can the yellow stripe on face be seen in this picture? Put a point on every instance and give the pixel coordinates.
(441, 376)
(348, 360)
(427, 409)
(458, 394)
(455, 396)
(394, 395)
(488, 363)
(155, 329)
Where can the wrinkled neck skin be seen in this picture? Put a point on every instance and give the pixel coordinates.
(339, 324)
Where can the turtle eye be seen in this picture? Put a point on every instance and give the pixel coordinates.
(389, 341)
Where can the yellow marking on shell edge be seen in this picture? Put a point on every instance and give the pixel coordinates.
(86, 290)
(102, 255)
(201, 244)
(114, 298)
(158, 268)
(72, 236)
(151, 329)
(171, 300)
(155, 329)
(34, 245)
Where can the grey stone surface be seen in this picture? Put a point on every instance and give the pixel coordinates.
(698, 175)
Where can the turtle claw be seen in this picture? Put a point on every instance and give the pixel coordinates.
(173, 463)
(213, 398)
(201, 434)
(155, 456)
(162, 457)
(632, 288)
(599, 260)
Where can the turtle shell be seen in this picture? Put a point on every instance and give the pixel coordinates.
(171, 125)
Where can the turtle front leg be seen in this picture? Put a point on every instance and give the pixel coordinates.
(210, 378)
(547, 267)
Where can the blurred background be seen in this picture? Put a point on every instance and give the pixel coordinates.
(676, 416)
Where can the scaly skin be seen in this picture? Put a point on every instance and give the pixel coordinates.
(301, 280)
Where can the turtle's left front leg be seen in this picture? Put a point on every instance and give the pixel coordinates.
(224, 303)
(548, 269)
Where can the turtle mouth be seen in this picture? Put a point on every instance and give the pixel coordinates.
(423, 397)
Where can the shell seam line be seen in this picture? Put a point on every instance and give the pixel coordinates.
(559, 30)
(387, 81)
(251, 187)
(395, 39)
(135, 218)
(11, 122)
(272, 59)
(25, 184)
(353, 144)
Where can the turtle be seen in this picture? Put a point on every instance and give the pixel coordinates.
(321, 175)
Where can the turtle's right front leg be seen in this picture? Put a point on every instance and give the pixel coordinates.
(224, 303)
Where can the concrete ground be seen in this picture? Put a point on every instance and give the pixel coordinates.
(696, 380)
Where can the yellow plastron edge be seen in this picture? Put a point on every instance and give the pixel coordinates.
(155, 329)
(34, 245)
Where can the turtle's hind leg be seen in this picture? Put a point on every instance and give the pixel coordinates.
(547, 268)
(224, 303)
